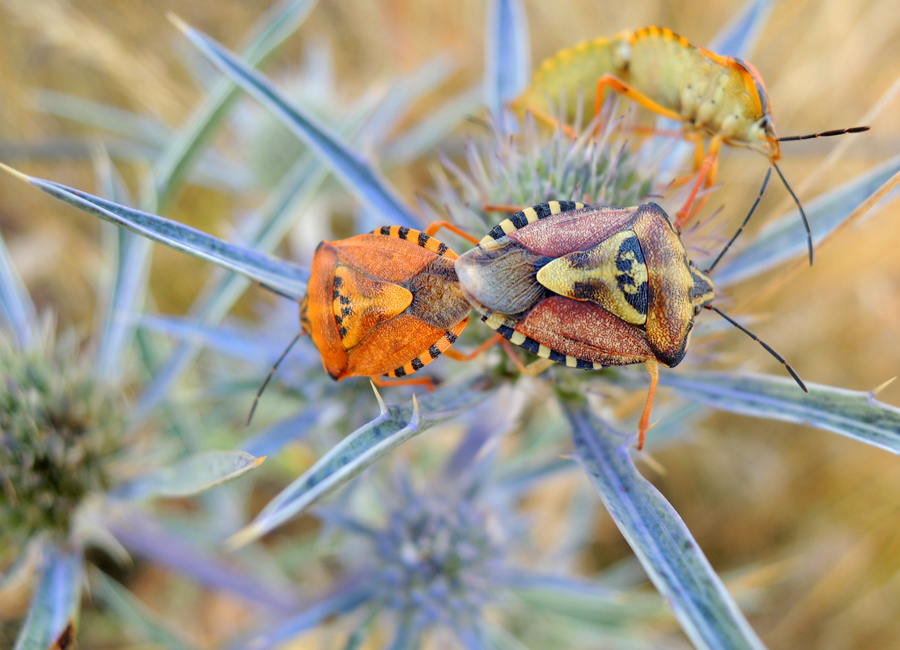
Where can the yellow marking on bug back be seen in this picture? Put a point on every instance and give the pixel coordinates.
(543, 351)
(598, 366)
(507, 226)
(488, 243)
(517, 338)
(530, 214)
(554, 207)
(703, 291)
(595, 275)
(494, 321)
(361, 303)
(571, 361)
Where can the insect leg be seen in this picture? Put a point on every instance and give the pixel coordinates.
(407, 381)
(633, 94)
(271, 374)
(705, 176)
(551, 121)
(534, 368)
(459, 356)
(697, 139)
(509, 209)
(437, 225)
(653, 368)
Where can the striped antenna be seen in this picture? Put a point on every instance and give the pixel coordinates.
(809, 241)
(762, 190)
(765, 346)
(825, 134)
(269, 376)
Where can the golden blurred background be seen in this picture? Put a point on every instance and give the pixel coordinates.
(811, 517)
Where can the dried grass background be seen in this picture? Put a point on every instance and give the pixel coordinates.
(811, 518)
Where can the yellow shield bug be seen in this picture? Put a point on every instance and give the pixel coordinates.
(720, 97)
(591, 287)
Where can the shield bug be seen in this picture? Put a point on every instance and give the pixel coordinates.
(722, 98)
(591, 287)
(385, 303)
(382, 303)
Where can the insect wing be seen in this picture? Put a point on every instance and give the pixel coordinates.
(580, 335)
(565, 232)
(383, 303)
(401, 346)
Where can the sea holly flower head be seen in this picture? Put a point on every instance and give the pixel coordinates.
(59, 429)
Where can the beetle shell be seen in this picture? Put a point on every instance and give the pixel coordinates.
(587, 287)
(385, 303)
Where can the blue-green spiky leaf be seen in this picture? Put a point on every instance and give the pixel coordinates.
(268, 34)
(359, 450)
(16, 308)
(130, 260)
(785, 238)
(357, 174)
(134, 615)
(659, 538)
(507, 55)
(55, 603)
(191, 475)
(274, 273)
(739, 37)
(850, 413)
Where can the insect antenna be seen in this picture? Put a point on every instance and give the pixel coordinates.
(269, 376)
(762, 190)
(825, 134)
(765, 345)
(809, 241)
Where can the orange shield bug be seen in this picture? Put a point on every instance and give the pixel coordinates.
(720, 97)
(385, 303)
(590, 287)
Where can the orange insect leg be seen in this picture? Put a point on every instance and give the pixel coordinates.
(697, 139)
(492, 207)
(534, 368)
(437, 225)
(644, 424)
(635, 95)
(551, 121)
(459, 356)
(411, 381)
(705, 177)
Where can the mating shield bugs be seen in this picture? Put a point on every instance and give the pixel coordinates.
(720, 97)
(590, 287)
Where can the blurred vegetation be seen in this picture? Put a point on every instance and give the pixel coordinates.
(811, 519)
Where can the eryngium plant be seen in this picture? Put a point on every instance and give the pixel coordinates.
(60, 428)
(74, 463)
(502, 169)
